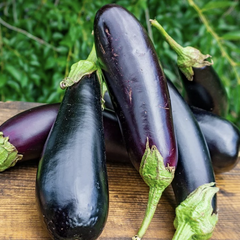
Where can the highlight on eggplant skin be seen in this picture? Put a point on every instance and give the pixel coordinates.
(71, 183)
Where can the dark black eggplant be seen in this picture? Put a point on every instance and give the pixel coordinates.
(139, 93)
(203, 87)
(206, 91)
(194, 172)
(222, 137)
(22, 137)
(71, 183)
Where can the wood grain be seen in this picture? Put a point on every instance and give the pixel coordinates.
(19, 219)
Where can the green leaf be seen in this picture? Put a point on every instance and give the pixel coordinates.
(51, 61)
(3, 80)
(36, 78)
(53, 97)
(34, 63)
(67, 41)
(14, 85)
(24, 80)
(217, 4)
(169, 74)
(231, 36)
(62, 49)
(57, 36)
(15, 73)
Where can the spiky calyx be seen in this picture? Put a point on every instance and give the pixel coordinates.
(188, 57)
(194, 216)
(8, 153)
(83, 68)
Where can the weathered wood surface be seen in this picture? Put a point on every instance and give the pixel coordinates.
(19, 219)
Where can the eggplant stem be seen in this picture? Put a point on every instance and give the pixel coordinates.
(157, 177)
(174, 45)
(188, 57)
(183, 232)
(80, 69)
(155, 194)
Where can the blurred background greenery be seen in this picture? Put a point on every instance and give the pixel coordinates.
(40, 40)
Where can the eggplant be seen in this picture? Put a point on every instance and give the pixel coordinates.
(194, 180)
(206, 91)
(203, 87)
(140, 97)
(71, 183)
(22, 137)
(222, 137)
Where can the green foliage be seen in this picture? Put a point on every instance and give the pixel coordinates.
(40, 40)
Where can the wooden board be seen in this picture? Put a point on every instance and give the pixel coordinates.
(19, 219)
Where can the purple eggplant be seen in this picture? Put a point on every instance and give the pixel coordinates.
(203, 87)
(22, 137)
(140, 97)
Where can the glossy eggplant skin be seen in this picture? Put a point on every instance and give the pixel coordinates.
(222, 137)
(28, 130)
(206, 91)
(194, 162)
(71, 183)
(136, 84)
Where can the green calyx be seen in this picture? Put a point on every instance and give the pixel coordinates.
(153, 170)
(77, 72)
(188, 57)
(191, 57)
(157, 177)
(8, 154)
(83, 68)
(194, 216)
